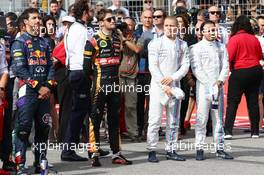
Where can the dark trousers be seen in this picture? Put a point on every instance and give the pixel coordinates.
(243, 81)
(64, 94)
(30, 109)
(8, 119)
(184, 103)
(143, 81)
(81, 105)
(112, 99)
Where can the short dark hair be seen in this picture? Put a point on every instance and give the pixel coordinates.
(29, 11)
(260, 17)
(131, 18)
(11, 15)
(206, 22)
(79, 7)
(180, 1)
(162, 10)
(242, 23)
(201, 12)
(119, 12)
(102, 13)
(54, 2)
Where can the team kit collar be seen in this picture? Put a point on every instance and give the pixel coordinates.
(208, 42)
(31, 36)
(104, 36)
(170, 40)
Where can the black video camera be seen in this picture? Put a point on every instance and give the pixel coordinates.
(122, 26)
(193, 14)
(183, 11)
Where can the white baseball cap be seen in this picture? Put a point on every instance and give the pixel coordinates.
(68, 19)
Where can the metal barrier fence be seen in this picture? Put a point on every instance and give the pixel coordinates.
(230, 8)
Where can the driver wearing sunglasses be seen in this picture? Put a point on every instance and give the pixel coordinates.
(215, 16)
(103, 52)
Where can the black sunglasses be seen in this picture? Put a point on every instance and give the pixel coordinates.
(214, 12)
(157, 16)
(109, 19)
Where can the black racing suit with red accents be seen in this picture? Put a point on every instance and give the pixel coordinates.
(33, 66)
(103, 53)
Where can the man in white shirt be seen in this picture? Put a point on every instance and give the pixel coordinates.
(74, 45)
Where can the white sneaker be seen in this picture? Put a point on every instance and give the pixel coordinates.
(50, 165)
(255, 136)
(228, 137)
(26, 166)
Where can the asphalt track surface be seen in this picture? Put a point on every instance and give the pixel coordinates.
(248, 154)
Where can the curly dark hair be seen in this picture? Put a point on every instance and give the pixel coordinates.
(46, 19)
(184, 19)
(79, 7)
(242, 23)
(102, 13)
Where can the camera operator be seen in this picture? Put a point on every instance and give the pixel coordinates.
(103, 52)
(120, 24)
(128, 72)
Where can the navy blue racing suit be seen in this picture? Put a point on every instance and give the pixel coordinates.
(33, 66)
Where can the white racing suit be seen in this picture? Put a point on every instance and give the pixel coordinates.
(209, 63)
(167, 58)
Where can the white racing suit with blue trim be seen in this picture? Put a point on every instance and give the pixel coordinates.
(167, 58)
(209, 63)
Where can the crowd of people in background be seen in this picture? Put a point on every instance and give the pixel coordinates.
(107, 70)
